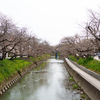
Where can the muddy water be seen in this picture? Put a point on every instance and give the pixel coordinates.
(50, 82)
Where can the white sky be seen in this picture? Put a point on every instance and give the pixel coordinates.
(49, 19)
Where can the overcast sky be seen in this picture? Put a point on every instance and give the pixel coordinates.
(49, 19)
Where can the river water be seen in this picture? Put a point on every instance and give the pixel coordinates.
(49, 82)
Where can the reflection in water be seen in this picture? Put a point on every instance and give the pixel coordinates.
(47, 85)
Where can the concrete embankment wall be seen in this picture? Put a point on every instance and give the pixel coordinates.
(7, 84)
(97, 76)
(92, 92)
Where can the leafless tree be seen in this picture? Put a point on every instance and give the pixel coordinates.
(76, 45)
(16, 41)
(6, 35)
(93, 29)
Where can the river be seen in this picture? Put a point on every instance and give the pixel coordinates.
(49, 82)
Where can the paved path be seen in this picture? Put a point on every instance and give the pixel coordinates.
(89, 78)
(96, 57)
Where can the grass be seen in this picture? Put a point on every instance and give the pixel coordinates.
(88, 63)
(39, 58)
(10, 67)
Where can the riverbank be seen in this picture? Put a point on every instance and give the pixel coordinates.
(89, 63)
(13, 70)
(88, 83)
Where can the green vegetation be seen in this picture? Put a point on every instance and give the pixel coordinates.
(40, 66)
(75, 86)
(43, 64)
(58, 54)
(83, 96)
(88, 63)
(71, 79)
(53, 54)
(35, 59)
(11, 67)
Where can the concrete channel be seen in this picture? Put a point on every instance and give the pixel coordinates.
(86, 79)
(48, 82)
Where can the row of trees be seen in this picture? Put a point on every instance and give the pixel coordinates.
(86, 44)
(16, 41)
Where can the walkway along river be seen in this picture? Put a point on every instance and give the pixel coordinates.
(50, 82)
